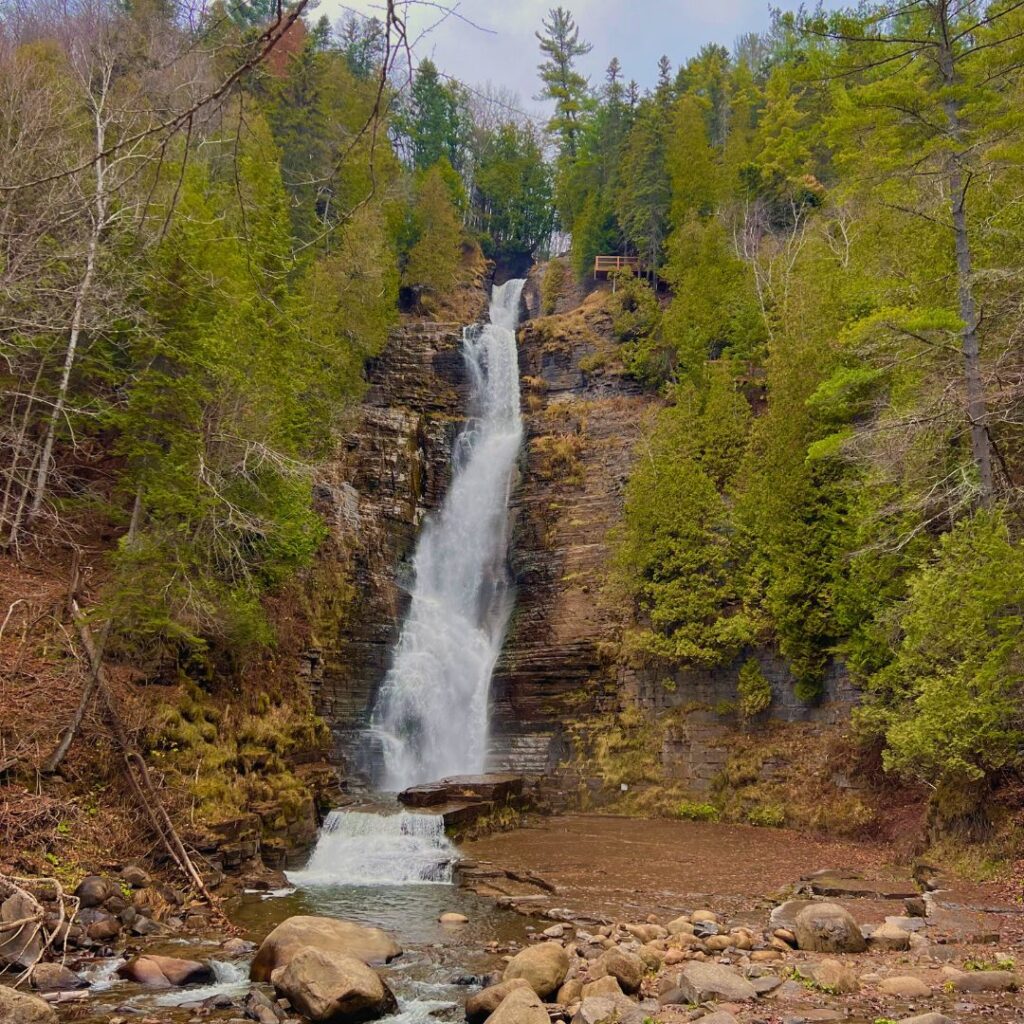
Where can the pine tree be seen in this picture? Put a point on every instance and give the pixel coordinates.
(560, 44)
(433, 261)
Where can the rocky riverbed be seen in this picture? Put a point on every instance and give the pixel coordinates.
(583, 920)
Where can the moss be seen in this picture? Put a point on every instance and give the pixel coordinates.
(768, 816)
(691, 811)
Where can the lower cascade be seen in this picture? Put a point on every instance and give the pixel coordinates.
(363, 848)
(430, 716)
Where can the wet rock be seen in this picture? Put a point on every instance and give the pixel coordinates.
(143, 926)
(544, 966)
(260, 1008)
(483, 1003)
(627, 968)
(520, 1006)
(905, 987)
(986, 981)
(20, 946)
(889, 937)
(452, 918)
(831, 976)
(333, 988)
(828, 928)
(135, 876)
(237, 947)
(703, 981)
(21, 1008)
(165, 971)
(333, 936)
(56, 978)
(94, 891)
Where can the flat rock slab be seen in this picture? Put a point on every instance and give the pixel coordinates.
(841, 883)
(497, 788)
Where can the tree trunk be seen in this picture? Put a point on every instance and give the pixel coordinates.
(981, 450)
(99, 214)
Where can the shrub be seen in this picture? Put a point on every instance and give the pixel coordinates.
(755, 692)
(690, 810)
(768, 816)
(551, 287)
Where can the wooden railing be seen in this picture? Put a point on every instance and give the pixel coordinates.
(605, 265)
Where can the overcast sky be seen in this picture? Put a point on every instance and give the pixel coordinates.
(503, 50)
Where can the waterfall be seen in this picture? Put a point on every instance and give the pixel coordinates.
(430, 716)
(361, 848)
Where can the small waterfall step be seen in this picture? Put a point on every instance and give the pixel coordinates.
(379, 847)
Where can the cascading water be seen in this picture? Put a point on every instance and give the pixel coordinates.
(358, 848)
(430, 717)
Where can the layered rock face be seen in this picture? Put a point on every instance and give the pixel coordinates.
(394, 468)
(583, 417)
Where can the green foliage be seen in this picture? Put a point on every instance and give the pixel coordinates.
(949, 701)
(434, 259)
(755, 692)
(767, 816)
(551, 286)
(690, 810)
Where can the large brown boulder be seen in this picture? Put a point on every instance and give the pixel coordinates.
(520, 1006)
(21, 945)
(165, 971)
(482, 1004)
(21, 1008)
(828, 928)
(333, 988)
(544, 966)
(622, 965)
(341, 938)
(48, 977)
(94, 891)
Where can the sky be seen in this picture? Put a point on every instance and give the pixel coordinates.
(495, 43)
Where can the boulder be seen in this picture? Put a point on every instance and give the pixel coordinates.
(704, 917)
(21, 1008)
(371, 945)
(607, 986)
(627, 968)
(237, 947)
(889, 937)
(831, 976)
(94, 891)
(544, 966)
(452, 918)
(135, 876)
(765, 984)
(702, 981)
(56, 978)
(333, 988)
(606, 1010)
(520, 1006)
(986, 981)
(261, 1008)
(104, 929)
(482, 1004)
(23, 945)
(828, 928)
(905, 987)
(784, 915)
(719, 1017)
(570, 992)
(647, 932)
(679, 926)
(165, 971)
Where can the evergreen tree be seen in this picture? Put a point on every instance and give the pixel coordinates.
(560, 45)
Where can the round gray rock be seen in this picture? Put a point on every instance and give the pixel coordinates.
(828, 928)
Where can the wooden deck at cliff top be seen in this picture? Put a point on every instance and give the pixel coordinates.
(605, 266)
